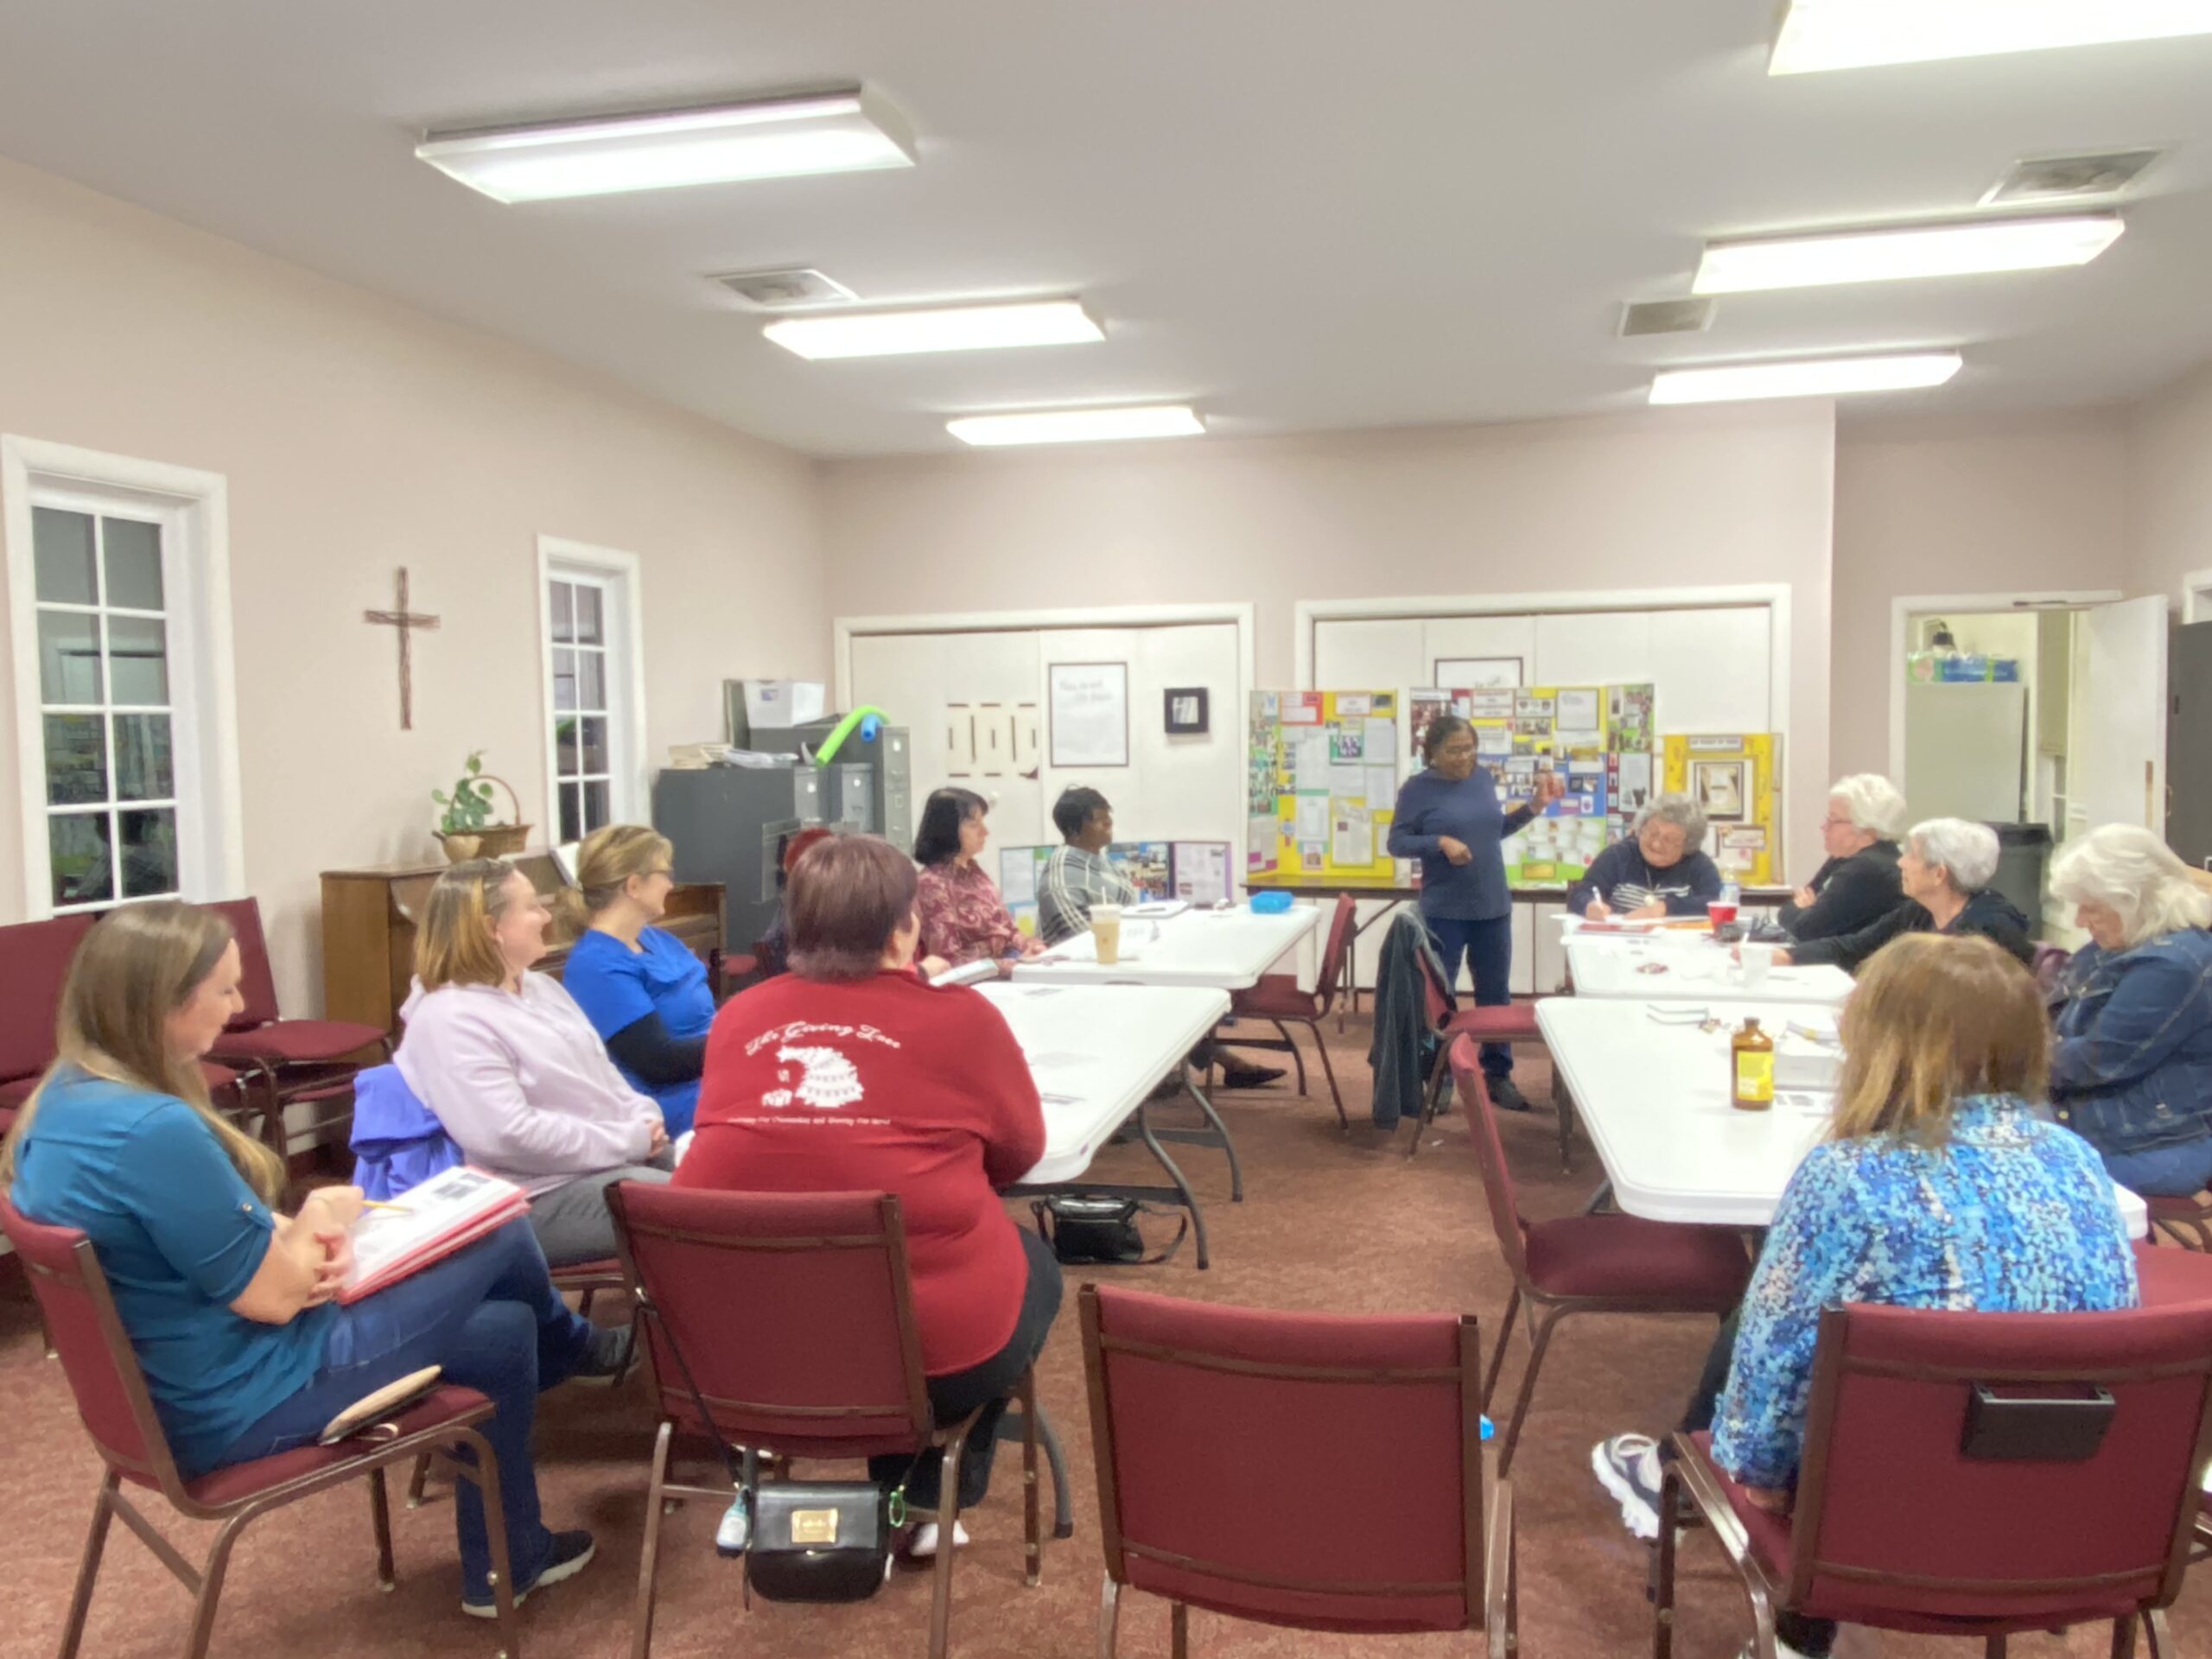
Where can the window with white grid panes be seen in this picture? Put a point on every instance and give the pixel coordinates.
(583, 713)
(106, 706)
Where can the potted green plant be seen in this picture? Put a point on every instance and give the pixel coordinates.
(465, 827)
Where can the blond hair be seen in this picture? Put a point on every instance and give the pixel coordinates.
(138, 965)
(455, 945)
(2135, 876)
(609, 857)
(1936, 1017)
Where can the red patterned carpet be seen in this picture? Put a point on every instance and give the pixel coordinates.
(1326, 1225)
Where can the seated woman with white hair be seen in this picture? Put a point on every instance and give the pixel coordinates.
(1945, 870)
(1661, 870)
(1858, 884)
(2132, 1070)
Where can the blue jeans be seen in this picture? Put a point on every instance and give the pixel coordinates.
(1487, 948)
(491, 1318)
(2176, 1171)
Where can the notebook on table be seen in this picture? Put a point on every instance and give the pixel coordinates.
(427, 1223)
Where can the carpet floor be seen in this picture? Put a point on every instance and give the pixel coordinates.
(1330, 1222)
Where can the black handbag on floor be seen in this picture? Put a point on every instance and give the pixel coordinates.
(811, 1539)
(1087, 1232)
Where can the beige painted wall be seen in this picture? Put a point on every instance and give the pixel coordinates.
(358, 436)
(1987, 506)
(1687, 497)
(2170, 486)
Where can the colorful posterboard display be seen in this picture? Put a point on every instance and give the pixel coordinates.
(1320, 784)
(1737, 778)
(1196, 871)
(1598, 738)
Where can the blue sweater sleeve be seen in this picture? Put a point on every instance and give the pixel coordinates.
(1813, 1254)
(1407, 840)
(1705, 886)
(1597, 880)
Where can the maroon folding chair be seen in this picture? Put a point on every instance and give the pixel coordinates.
(1217, 1430)
(1605, 1263)
(37, 955)
(2187, 1222)
(740, 1282)
(117, 1412)
(1277, 1000)
(1513, 1022)
(1973, 1475)
(291, 1062)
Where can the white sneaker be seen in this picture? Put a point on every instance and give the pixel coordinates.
(922, 1546)
(1627, 1466)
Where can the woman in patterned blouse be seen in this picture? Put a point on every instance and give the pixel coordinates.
(963, 918)
(1938, 1186)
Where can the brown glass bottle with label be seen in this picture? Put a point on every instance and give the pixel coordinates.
(1750, 1067)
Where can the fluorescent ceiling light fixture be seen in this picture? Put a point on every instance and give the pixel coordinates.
(1854, 34)
(937, 328)
(1819, 376)
(841, 131)
(1079, 425)
(1961, 249)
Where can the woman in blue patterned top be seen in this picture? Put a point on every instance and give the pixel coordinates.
(1939, 1187)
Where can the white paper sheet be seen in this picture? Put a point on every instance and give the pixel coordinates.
(1493, 739)
(1382, 740)
(1307, 750)
(1202, 871)
(1578, 711)
(1353, 840)
(1352, 703)
(1381, 784)
(1347, 778)
(1313, 822)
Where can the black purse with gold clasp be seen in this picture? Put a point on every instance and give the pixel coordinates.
(811, 1539)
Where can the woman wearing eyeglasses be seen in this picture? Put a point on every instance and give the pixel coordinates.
(1450, 818)
(1858, 885)
(641, 987)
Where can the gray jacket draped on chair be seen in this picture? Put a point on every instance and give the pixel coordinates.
(1404, 1041)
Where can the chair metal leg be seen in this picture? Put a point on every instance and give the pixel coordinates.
(948, 1514)
(380, 1521)
(1329, 1071)
(2123, 1638)
(2160, 1639)
(88, 1566)
(1109, 1615)
(1662, 1588)
(485, 1472)
(1993, 1648)
(1430, 1097)
(1032, 1543)
(1504, 1338)
(1527, 1390)
(1763, 1639)
(1297, 1058)
(641, 1621)
(1178, 1631)
(419, 1482)
(211, 1587)
(1563, 1104)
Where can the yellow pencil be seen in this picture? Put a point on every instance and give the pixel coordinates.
(378, 1203)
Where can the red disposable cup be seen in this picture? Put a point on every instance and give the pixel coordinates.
(1721, 915)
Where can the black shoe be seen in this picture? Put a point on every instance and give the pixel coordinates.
(1249, 1076)
(570, 1554)
(1507, 1097)
(613, 1351)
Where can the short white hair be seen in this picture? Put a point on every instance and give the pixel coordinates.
(2135, 875)
(1873, 802)
(1966, 851)
(1682, 812)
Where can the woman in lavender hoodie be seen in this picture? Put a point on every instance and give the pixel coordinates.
(512, 1068)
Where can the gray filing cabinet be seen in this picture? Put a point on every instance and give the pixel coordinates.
(730, 824)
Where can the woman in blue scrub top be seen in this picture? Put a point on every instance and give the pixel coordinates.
(640, 987)
(1451, 819)
(229, 1304)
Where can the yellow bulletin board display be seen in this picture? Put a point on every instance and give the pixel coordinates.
(1320, 784)
(1737, 778)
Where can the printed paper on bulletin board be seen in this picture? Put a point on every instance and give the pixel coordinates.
(1321, 780)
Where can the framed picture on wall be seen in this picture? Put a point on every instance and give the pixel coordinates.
(1089, 705)
(1477, 673)
(1186, 710)
(1718, 786)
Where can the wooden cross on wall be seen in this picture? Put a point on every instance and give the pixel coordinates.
(406, 621)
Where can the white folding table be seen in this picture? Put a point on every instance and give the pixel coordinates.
(1097, 1053)
(1688, 968)
(1654, 1097)
(1226, 949)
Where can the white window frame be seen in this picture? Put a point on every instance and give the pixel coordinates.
(193, 508)
(619, 577)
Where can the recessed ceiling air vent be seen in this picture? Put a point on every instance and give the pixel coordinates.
(1667, 317)
(786, 290)
(2071, 178)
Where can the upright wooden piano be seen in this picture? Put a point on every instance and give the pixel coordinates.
(368, 932)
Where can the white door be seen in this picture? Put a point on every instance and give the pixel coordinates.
(2119, 763)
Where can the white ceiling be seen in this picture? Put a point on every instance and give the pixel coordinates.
(1300, 214)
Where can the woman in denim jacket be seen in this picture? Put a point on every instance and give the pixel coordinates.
(2132, 1073)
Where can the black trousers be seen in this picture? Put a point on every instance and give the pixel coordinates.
(955, 1395)
(1811, 1637)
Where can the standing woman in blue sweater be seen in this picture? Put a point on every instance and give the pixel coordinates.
(1450, 817)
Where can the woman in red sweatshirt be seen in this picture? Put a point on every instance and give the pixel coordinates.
(850, 1074)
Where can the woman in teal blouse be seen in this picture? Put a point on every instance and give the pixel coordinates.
(640, 987)
(230, 1304)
